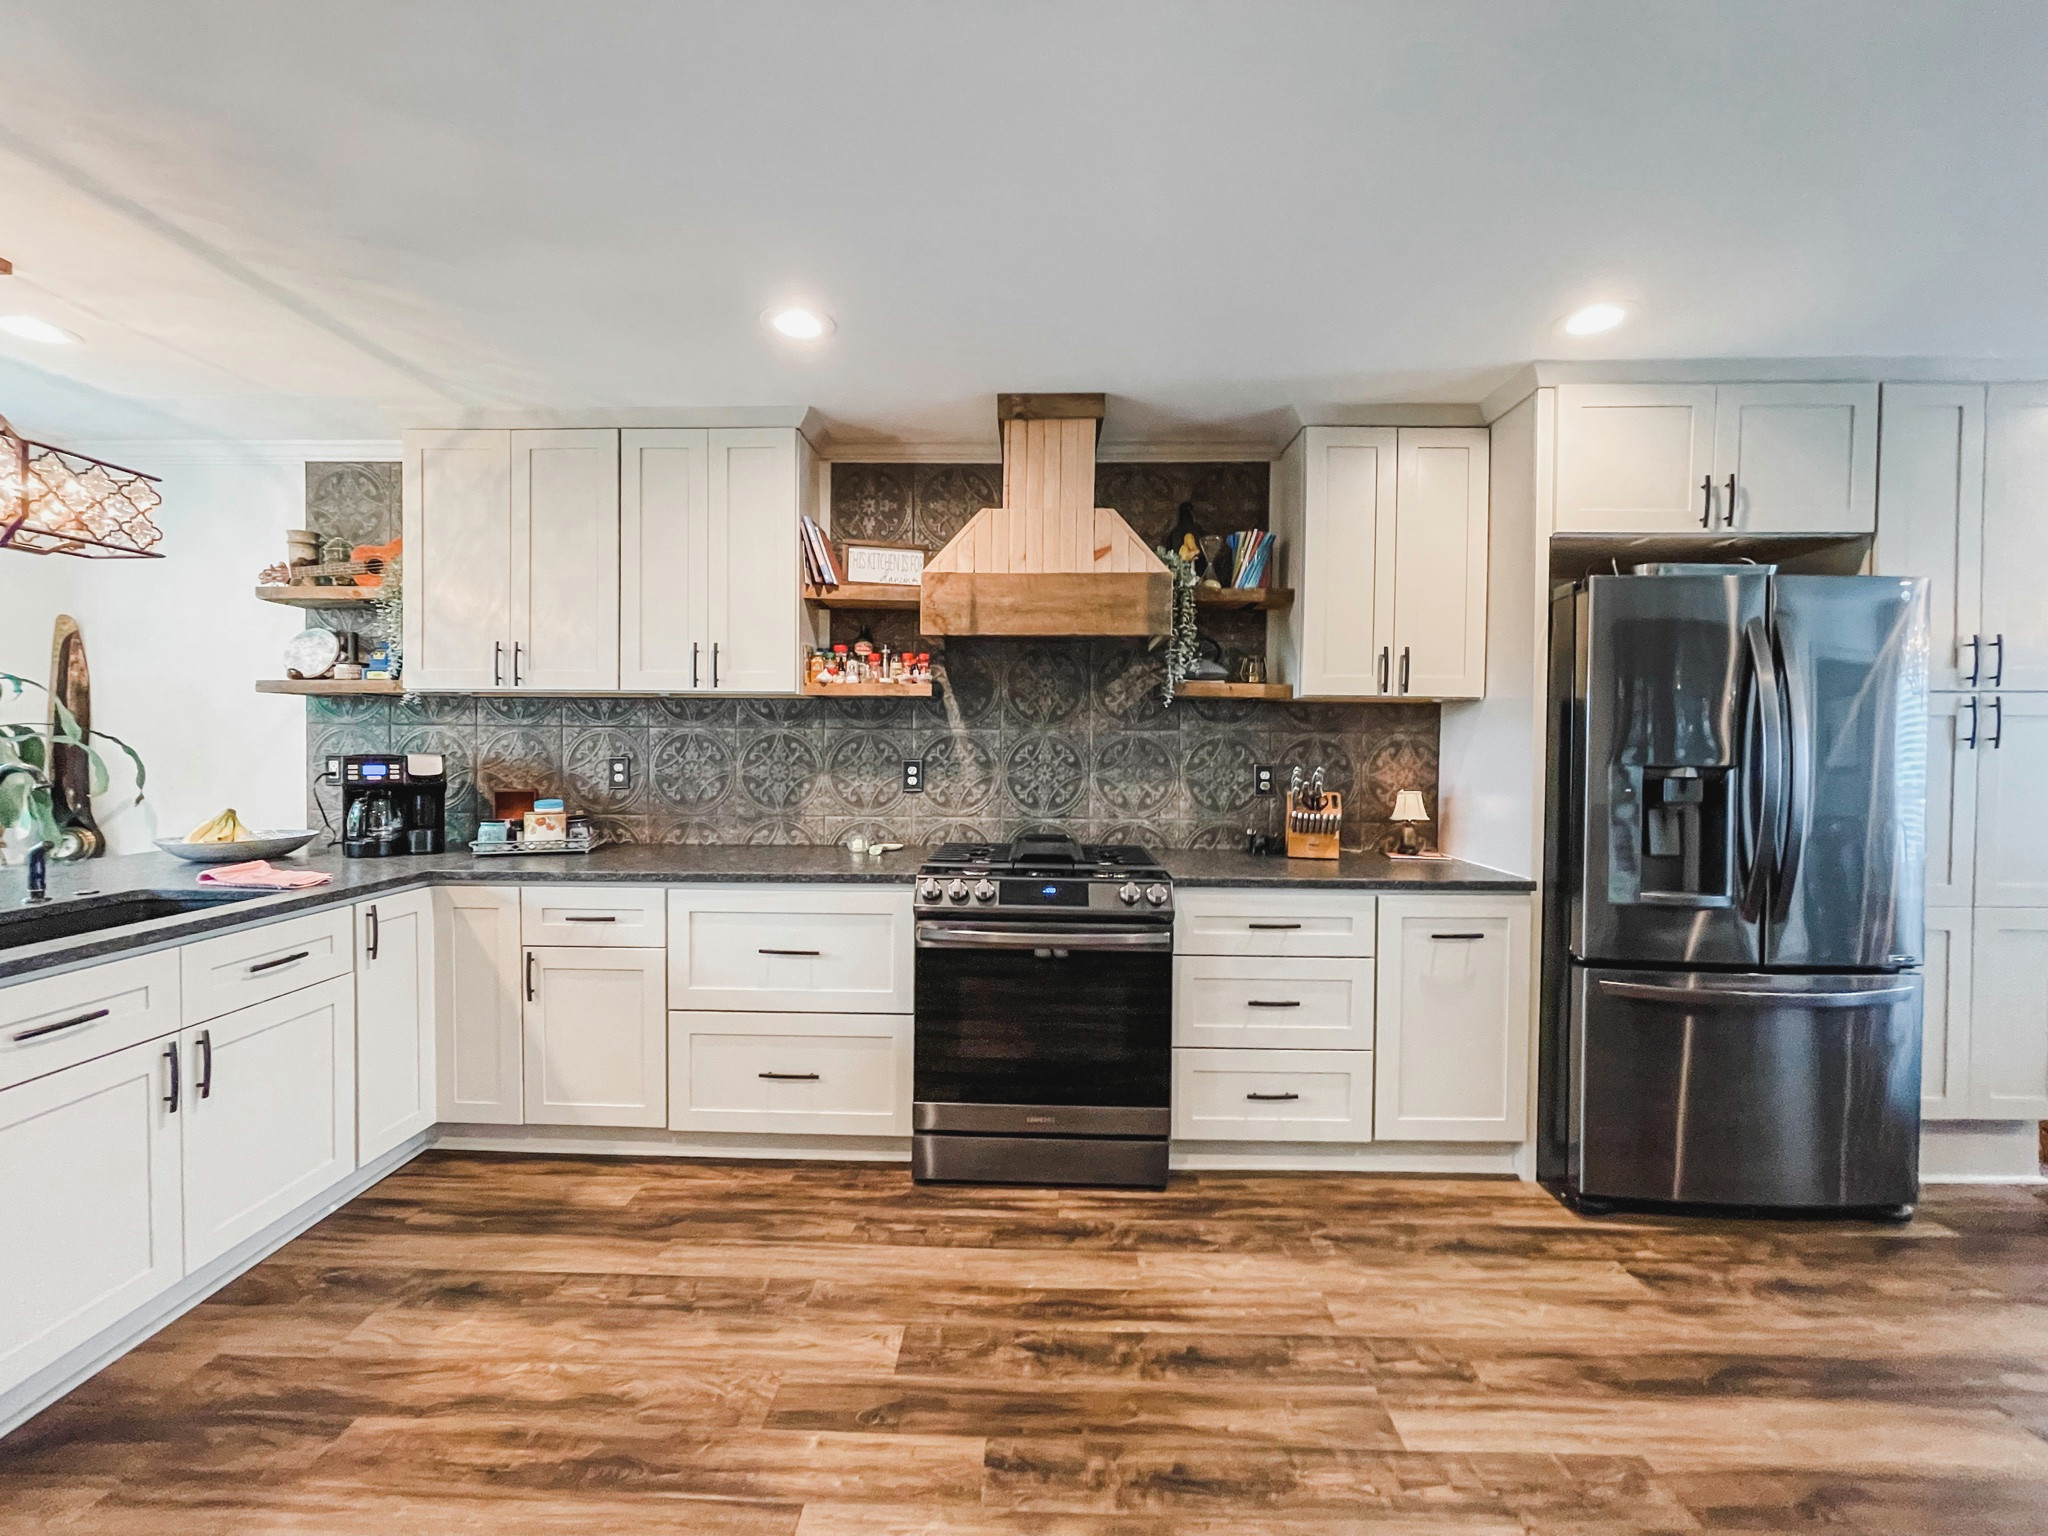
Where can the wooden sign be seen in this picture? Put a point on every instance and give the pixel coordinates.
(888, 565)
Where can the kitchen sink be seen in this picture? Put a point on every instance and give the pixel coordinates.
(61, 919)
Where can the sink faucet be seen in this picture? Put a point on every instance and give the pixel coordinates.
(38, 851)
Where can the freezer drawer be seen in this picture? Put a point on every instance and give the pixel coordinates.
(1747, 1089)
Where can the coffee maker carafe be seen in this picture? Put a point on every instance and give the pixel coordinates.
(392, 803)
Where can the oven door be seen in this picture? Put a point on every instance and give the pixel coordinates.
(1044, 1028)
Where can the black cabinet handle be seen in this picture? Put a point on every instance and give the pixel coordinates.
(497, 663)
(206, 1063)
(693, 663)
(270, 965)
(1998, 666)
(789, 1077)
(371, 933)
(1970, 740)
(1707, 501)
(1976, 645)
(1271, 927)
(171, 1099)
(714, 663)
(1386, 660)
(610, 917)
(1262, 1002)
(517, 648)
(529, 975)
(1459, 937)
(1271, 1098)
(808, 954)
(1404, 669)
(1728, 512)
(50, 1029)
(1997, 720)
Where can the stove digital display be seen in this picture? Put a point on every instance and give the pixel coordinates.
(1045, 893)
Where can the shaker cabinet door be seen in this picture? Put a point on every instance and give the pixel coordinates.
(1955, 725)
(479, 1051)
(458, 560)
(565, 560)
(394, 1021)
(756, 486)
(1636, 458)
(1945, 1017)
(2015, 619)
(2012, 788)
(1803, 457)
(665, 544)
(2009, 1014)
(596, 1037)
(1439, 586)
(1930, 515)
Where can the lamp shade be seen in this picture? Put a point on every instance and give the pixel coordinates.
(1408, 806)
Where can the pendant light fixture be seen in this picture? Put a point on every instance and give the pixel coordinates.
(58, 503)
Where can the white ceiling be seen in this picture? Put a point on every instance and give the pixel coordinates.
(333, 221)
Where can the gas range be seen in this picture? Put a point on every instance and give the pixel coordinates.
(1040, 876)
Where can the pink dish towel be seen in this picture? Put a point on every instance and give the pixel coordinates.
(263, 875)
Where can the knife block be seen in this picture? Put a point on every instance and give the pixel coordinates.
(1305, 844)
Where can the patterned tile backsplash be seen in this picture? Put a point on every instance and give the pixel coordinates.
(1025, 733)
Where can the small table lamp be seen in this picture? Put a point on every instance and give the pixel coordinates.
(1408, 812)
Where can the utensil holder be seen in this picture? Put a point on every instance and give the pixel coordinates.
(1313, 834)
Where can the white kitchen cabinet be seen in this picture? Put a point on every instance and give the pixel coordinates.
(565, 561)
(395, 1090)
(252, 965)
(1945, 1017)
(1688, 458)
(1930, 501)
(791, 948)
(2012, 790)
(2014, 618)
(457, 522)
(1383, 534)
(2009, 1013)
(1953, 738)
(594, 916)
(268, 1118)
(58, 1021)
(89, 1201)
(1236, 921)
(479, 1046)
(1452, 1039)
(1257, 1095)
(596, 1037)
(817, 1074)
(1276, 1002)
(665, 546)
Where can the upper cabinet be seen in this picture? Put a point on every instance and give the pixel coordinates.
(1687, 458)
(2014, 619)
(594, 560)
(1384, 532)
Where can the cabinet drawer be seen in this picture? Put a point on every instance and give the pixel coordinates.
(800, 1073)
(253, 965)
(593, 916)
(1272, 1095)
(1221, 1000)
(60, 1021)
(799, 949)
(1232, 922)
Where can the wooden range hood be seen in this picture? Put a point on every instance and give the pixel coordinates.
(1048, 561)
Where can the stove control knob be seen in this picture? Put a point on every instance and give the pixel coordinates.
(928, 890)
(1127, 893)
(957, 891)
(983, 891)
(1157, 894)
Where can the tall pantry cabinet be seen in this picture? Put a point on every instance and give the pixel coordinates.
(1963, 481)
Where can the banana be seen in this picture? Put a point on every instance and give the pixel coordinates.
(225, 828)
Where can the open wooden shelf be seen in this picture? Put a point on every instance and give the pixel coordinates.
(868, 690)
(1244, 597)
(327, 685)
(865, 594)
(309, 596)
(1199, 689)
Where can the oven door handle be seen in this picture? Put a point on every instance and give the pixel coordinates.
(948, 936)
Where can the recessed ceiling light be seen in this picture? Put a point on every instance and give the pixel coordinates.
(1594, 319)
(798, 323)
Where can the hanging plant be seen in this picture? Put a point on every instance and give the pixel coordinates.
(1180, 641)
(25, 798)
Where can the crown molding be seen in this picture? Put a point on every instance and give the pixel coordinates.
(140, 453)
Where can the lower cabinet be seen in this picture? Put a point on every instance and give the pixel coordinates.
(1281, 1095)
(813, 1074)
(479, 1042)
(596, 1036)
(1454, 1018)
(1984, 1040)
(89, 1201)
(267, 1113)
(395, 1095)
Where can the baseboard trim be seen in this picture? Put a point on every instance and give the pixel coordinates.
(624, 1141)
(1486, 1160)
(1980, 1152)
(24, 1401)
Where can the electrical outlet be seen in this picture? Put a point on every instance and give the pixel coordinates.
(1262, 779)
(333, 773)
(619, 772)
(913, 775)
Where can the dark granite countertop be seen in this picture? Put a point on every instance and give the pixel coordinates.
(359, 879)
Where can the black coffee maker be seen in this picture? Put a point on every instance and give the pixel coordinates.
(393, 803)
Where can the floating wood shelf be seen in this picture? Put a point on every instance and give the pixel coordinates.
(1196, 689)
(864, 594)
(868, 690)
(320, 597)
(1244, 597)
(327, 685)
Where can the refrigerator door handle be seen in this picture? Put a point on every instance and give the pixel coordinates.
(1798, 787)
(1732, 997)
(1762, 757)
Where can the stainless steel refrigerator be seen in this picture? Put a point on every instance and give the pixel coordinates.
(1733, 912)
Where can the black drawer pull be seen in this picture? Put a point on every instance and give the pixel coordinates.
(808, 954)
(789, 1077)
(1271, 1098)
(50, 1029)
(176, 1092)
(609, 917)
(1271, 927)
(1272, 1002)
(1458, 936)
(206, 1063)
(271, 965)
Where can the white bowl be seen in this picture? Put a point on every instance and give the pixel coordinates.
(264, 845)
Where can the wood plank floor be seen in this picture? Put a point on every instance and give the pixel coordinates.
(508, 1345)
